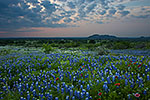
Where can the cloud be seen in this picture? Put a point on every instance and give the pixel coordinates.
(102, 12)
(62, 0)
(68, 20)
(48, 6)
(120, 7)
(71, 5)
(57, 18)
(112, 11)
(3, 6)
(124, 13)
(81, 11)
(141, 16)
(79, 2)
(89, 0)
(16, 14)
(142, 12)
(38, 8)
(91, 7)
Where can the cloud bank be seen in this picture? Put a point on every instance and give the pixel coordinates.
(16, 14)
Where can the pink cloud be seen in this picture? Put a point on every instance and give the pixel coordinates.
(3, 32)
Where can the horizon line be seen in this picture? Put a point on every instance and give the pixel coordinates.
(77, 37)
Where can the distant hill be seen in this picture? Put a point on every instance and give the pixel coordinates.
(97, 36)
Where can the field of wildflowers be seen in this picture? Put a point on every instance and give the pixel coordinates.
(74, 76)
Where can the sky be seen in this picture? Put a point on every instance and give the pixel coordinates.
(74, 18)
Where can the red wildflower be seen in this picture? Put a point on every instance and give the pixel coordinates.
(129, 64)
(116, 76)
(137, 95)
(134, 63)
(99, 99)
(57, 78)
(81, 74)
(117, 84)
(80, 68)
(139, 65)
(130, 60)
(99, 93)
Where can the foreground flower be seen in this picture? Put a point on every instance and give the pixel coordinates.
(57, 78)
(137, 95)
(130, 60)
(99, 93)
(134, 63)
(139, 65)
(129, 65)
(99, 99)
(117, 84)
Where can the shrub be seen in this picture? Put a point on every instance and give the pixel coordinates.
(102, 51)
(47, 48)
(89, 46)
(5, 51)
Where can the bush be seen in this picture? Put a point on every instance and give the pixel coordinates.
(5, 51)
(47, 48)
(72, 44)
(102, 51)
(92, 41)
(122, 45)
(89, 46)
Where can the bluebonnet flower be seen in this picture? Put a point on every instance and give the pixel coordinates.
(56, 98)
(126, 82)
(81, 87)
(73, 98)
(28, 96)
(82, 96)
(62, 90)
(145, 92)
(108, 80)
(21, 98)
(78, 94)
(129, 96)
(105, 87)
(71, 93)
(88, 87)
(87, 94)
(148, 77)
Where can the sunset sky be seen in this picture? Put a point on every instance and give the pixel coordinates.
(74, 18)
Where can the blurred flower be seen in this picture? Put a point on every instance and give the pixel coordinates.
(137, 95)
(117, 84)
(130, 60)
(139, 65)
(99, 93)
(57, 78)
(129, 64)
(129, 96)
(134, 63)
